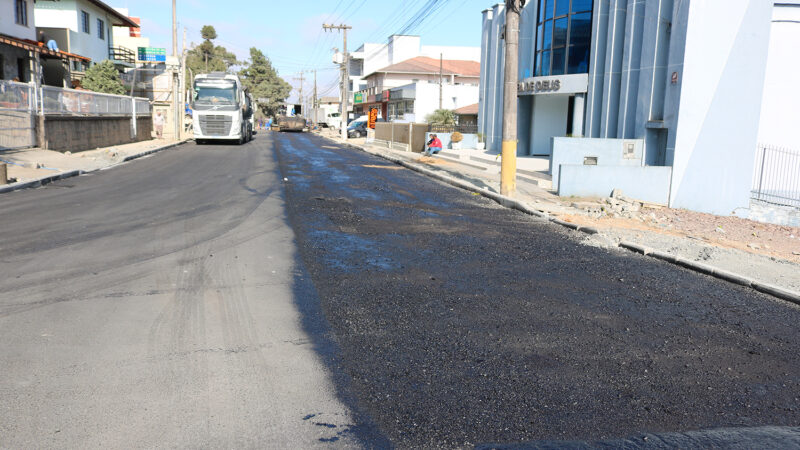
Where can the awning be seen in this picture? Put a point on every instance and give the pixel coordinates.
(33, 46)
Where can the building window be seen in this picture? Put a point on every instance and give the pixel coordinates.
(21, 12)
(85, 22)
(563, 37)
(101, 29)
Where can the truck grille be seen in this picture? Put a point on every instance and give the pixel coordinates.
(215, 125)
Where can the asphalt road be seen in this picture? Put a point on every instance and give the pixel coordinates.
(291, 293)
(463, 323)
(162, 304)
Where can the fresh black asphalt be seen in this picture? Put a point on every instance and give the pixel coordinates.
(461, 322)
(294, 292)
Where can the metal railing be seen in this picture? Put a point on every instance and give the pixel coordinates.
(471, 128)
(17, 104)
(776, 177)
(121, 54)
(88, 103)
(16, 96)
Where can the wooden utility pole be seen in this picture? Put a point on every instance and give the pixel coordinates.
(440, 79)
(508, 166)
(182, 83)
(345, 74)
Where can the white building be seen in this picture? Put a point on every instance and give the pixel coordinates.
(127, 37)
(371, 57)
(410, 90)
(666, 100)
(82, 27)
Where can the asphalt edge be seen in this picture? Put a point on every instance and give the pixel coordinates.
(74, 173)
(741, 280)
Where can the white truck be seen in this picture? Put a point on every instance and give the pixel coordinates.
(221, 109)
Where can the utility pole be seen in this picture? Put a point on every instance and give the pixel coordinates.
(345, 74)
(315, 103)
(508, 164)
(300, 98)
(440, 79)
(182, 82)
(174, 30)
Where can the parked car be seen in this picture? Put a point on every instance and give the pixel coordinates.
(358, 127)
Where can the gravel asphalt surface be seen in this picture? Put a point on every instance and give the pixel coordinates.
(464, 323)
(293, 293)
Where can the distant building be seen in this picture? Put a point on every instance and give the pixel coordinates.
(669, 98)
(82, 27)
(410, 90)
(467, 115)
(127, 39)
(371, 57)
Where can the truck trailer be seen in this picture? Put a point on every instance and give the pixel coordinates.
(221, 109)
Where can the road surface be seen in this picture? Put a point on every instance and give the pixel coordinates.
(291, 292)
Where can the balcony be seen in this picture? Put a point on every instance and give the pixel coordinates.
(122, 56)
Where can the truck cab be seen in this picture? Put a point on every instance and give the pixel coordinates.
(221, 109)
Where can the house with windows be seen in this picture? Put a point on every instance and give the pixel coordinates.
(83, 27)
(24, 54)
(673, 102)
(411, 89)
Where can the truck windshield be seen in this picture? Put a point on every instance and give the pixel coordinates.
(215, 94)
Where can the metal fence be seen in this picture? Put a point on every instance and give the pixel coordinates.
(470, 128)
(87, 103)
(17, 104)
(776, 178)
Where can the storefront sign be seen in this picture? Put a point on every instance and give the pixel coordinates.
(564, 84)
(385, 95)
(373, 117)
(358, 97)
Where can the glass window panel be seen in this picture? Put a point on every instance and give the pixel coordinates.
(578, 59)
(545, 63)
(559, 61)
(547, 39)
(539, 37)
(562, 7)
(581, 29)
(538, 64)
(560, 33)
(548, 10)
(540, 12)
(581, 5)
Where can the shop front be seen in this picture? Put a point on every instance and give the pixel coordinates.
(401, 103)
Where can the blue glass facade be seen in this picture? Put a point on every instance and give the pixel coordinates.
(563, 37)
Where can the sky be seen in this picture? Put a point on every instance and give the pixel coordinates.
(290, 32)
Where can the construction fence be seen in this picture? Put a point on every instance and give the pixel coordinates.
(401, 136)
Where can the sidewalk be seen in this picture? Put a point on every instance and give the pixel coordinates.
(30, 167)
(764, 253)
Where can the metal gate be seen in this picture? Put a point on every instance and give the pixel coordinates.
(776, 178)
(17, 115)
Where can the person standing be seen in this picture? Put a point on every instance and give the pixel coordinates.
(434, 146)
(158, 123)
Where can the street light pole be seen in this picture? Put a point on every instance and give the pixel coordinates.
(345, 75)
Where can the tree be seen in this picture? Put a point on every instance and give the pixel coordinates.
(207, 47)
(441, 117)
(103, 78)
(207, 57)
(263, 81)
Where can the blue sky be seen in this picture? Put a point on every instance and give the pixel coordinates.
(289, 33)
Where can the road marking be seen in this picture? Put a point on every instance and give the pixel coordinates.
(375, 166)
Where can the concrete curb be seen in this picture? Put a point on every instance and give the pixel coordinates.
(74, 173)
(775, 291)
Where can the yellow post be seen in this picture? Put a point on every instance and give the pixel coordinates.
(508, 169)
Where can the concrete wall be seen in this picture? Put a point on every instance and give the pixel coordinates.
(645, 183)
(70, 133)
(470, 140)
(9, 68)
(453, 97)
(8, 23)
(609, 152)
(490, 109)
(780, 108)
(720, 104)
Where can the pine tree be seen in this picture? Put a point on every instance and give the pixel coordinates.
(206, 57)
(263, 81)
(104, 78)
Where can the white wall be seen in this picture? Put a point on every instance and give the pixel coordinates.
(8, 23)
(720, 104)
(453, 97)
(65, 14)
(780, 108)
(549, 119)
